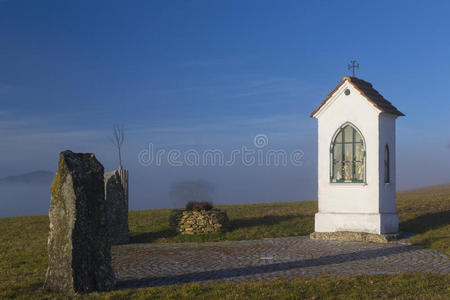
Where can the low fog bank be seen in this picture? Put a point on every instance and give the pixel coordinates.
(153, 187)
(174, 187)
(163, 187)
(24, 199)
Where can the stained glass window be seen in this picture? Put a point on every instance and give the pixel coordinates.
(348, 156)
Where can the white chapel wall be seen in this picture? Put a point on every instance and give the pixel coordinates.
(387, 136)
(348, 197)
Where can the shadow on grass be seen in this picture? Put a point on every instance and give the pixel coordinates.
(423, 223)
(429, 242)
(148, 237)
(264, 221)
(261, 268)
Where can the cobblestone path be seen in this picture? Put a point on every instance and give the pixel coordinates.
(140, 265)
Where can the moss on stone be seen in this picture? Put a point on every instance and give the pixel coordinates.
(55, 187)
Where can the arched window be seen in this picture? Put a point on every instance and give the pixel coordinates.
(348, 155)
(387, 175)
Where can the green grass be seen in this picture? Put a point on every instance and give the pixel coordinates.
(426, 212)
(23, 256)
(408, 286)
(249, 222)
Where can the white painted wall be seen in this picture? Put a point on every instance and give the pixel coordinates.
(387, 137)
(387, 191)
(361, 207)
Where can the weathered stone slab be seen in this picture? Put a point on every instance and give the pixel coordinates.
(349, 236)
(78, 246)
(116, 209)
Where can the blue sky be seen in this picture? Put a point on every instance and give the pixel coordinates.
(215, 73)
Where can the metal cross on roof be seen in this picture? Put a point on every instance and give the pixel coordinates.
(354, 65)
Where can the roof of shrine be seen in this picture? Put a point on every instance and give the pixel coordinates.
(367, 91)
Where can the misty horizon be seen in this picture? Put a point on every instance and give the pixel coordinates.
(151, 185)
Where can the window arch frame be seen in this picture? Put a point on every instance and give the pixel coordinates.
(332, 145)
(387, 164)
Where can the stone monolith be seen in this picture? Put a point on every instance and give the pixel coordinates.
(116, 208)
(78, 245)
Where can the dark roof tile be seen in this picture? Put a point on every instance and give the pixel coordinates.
(366, 89)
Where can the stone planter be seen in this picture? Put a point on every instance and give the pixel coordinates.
(199, 221)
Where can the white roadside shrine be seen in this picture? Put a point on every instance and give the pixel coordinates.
(356, 161)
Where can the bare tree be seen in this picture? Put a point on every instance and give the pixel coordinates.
(119, 137)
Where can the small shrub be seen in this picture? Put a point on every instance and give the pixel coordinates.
(195, 205)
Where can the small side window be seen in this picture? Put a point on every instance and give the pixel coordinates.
(387, 175)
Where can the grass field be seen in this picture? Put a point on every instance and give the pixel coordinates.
(426, 212)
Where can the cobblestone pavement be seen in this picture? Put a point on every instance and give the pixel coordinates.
(140, 265)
